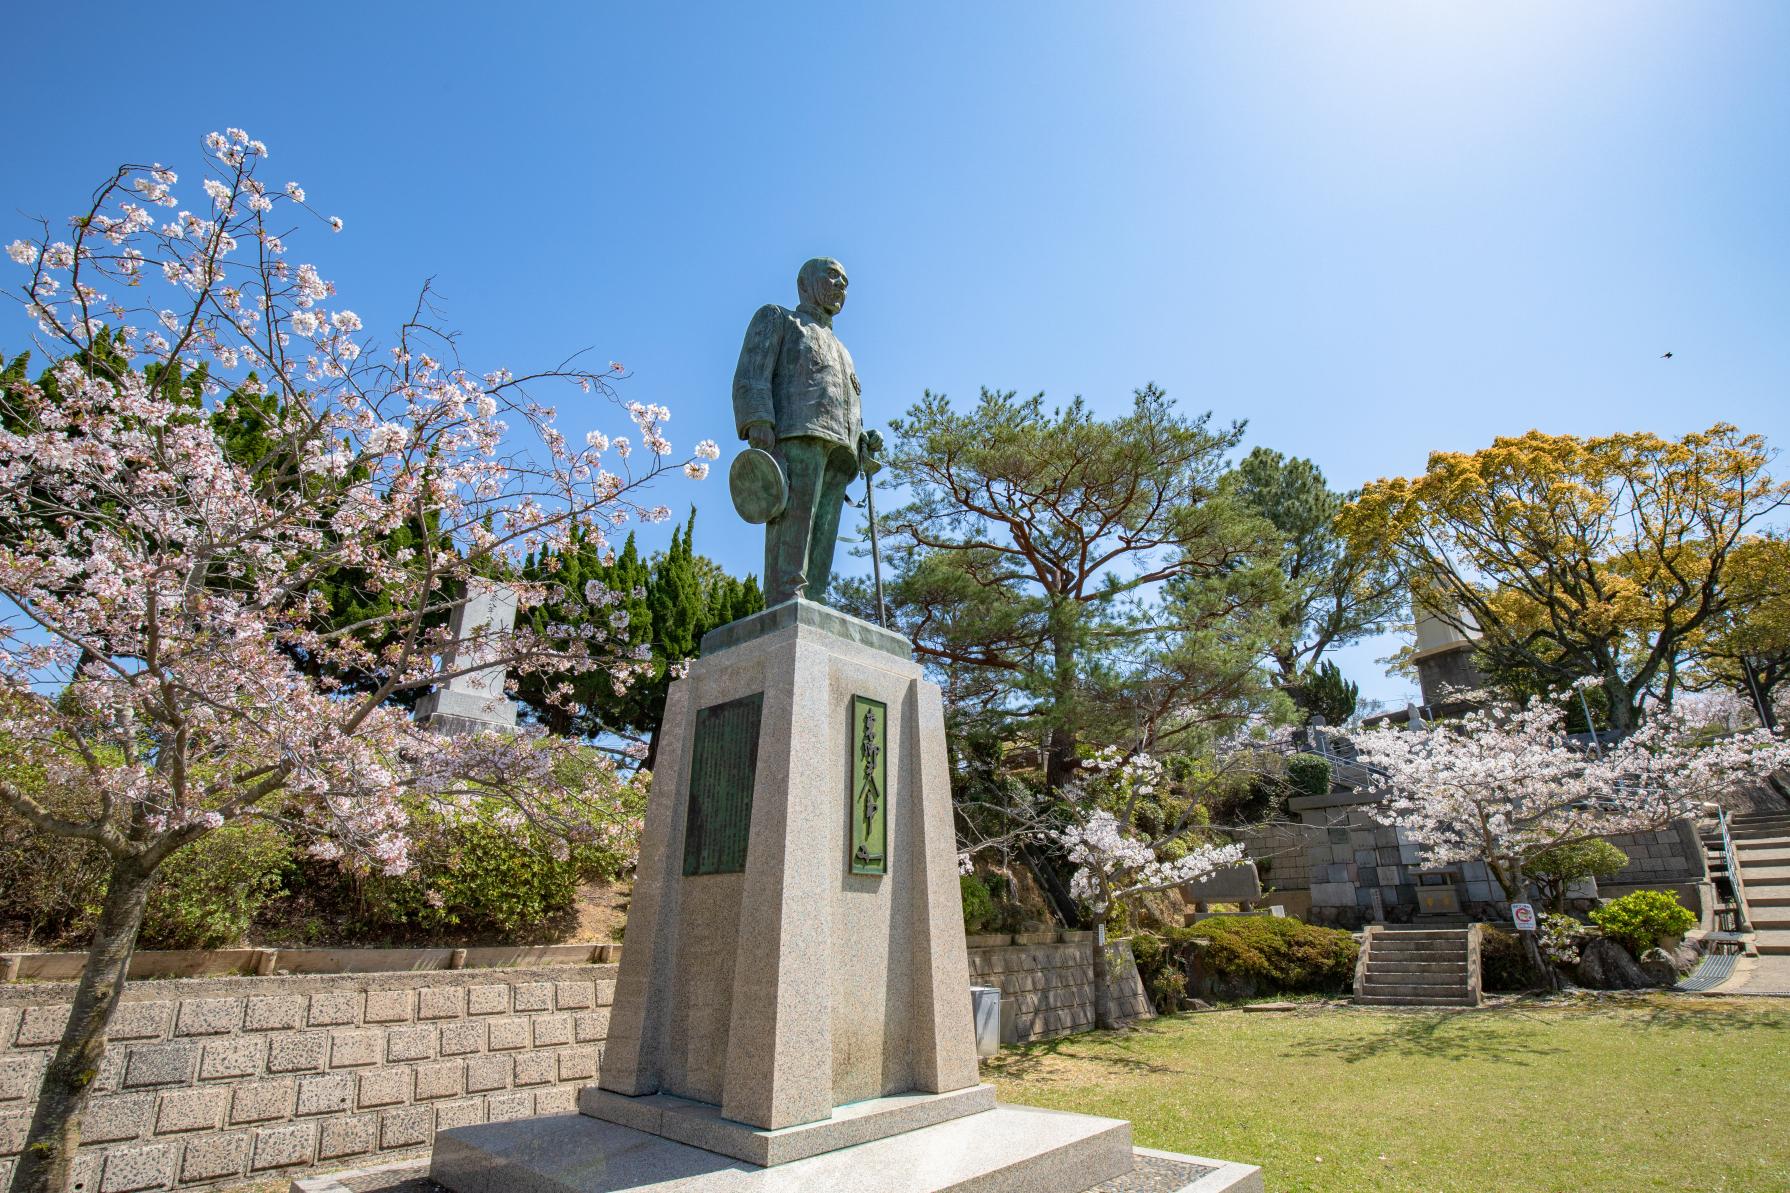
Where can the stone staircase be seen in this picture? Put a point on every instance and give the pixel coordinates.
(1417, 967)
(1762, 854)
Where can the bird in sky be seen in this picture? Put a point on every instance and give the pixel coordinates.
(1665, 356)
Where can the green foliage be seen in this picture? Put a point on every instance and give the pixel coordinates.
(478, 877)
(1556, 869)
(979, 911)
(485, 876)
(1276, 954)
(1308, 774)
(1131, 592)
(1322, 691)
(207, 894)
(50, 886)
(670, 602)
(1559, 938)
(1159, 967)
(1640, 918)
(1335, 594)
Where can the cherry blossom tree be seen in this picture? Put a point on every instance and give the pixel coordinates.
(1115, 860)
(161, 572)
(1506, 783)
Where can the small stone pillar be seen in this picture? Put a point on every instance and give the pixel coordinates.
(474, 702)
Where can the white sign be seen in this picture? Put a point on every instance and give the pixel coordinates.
(1523, 916)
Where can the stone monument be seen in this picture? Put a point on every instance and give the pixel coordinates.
(793, 1008)
(473, 701)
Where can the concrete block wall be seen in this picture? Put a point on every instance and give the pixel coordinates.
(1046, 981)
(213, 1081)
(1672, 854)
(1280, 851)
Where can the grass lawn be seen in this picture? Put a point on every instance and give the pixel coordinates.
(1659, 1092)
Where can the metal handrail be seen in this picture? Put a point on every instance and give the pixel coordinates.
(1350, 772)
(1733, 864)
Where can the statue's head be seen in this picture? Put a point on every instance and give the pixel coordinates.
(821, 283)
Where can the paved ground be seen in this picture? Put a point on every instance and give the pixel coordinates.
(1153, 1174)
(1758, 975)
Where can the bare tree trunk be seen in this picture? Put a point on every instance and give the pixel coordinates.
(1514, 890)
(1060, 761)
(1103, 1001)
(47, 1163)
(1062, 903)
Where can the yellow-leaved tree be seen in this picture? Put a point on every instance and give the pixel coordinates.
(1746, 647)
(1609, 556)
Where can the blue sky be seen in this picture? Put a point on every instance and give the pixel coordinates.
(1370, 230)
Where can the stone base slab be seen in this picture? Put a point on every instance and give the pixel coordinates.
(1010, 1149)
(1172, 1172)
(700, 1124)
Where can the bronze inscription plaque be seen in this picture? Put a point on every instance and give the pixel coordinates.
(723, 762)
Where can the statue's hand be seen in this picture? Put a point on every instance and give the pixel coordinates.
(761, 435)
(873, 442)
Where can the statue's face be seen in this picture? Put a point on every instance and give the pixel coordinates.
(826, 287)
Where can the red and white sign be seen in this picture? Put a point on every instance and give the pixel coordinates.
(1523, 916)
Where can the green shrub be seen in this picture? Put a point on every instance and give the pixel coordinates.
(50, 886)
(1504, 966)
(1273, 954)
(485, 876)
(1153, 957)
(208, 894)
(1559, 938)
(476, 877)
(979, 911)
(1640, 918)
(1159, 968)
(1308, 774)
(1556, 869)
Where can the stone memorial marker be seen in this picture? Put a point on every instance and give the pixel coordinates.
(473, 701)
(793, 1010)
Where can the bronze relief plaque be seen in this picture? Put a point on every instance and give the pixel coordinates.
(868, 785)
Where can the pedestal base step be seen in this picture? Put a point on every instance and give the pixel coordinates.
(1010, 1149)
(701, 1125)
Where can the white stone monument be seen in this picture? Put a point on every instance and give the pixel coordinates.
(474, 701)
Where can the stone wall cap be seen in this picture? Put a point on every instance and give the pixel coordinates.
(802, 612)
(155, 989)
(1336, 799)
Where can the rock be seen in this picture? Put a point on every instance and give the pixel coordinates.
(1198, 1004)
(1606, 965)
(1227, 987)
(1660, 966)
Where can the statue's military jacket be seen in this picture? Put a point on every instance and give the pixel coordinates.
(795, 374)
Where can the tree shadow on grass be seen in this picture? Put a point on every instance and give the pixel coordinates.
(1714, 1019)
(1444, 1035)
(1111, 1050)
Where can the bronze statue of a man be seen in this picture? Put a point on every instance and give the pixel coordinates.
(795, 395)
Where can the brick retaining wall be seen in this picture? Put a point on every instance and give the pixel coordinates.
(210, 1081)
(1673, 854)
(1046, 981)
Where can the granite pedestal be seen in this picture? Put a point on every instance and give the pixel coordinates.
(793, 1008)
(795, 984)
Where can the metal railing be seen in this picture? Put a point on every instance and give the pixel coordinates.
(1345, 769)
(1736, 887)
